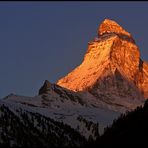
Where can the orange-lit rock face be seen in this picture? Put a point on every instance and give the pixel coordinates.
(113, 52)
(95, 60)
(110, 26)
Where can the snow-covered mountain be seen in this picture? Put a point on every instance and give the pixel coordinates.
(65, 106)
(20, 127)
(112, 79)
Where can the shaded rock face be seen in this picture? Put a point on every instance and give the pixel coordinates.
(45, 88)
(111, 67)
(142, 78)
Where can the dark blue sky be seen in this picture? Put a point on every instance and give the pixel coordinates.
(46, 40)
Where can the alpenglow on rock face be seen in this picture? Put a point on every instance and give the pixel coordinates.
(112, 69)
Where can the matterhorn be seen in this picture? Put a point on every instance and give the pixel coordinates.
(112, 70)
(111, 80)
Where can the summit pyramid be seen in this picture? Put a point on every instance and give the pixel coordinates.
(112, 69)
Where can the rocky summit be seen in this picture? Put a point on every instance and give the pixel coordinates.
(112, 70)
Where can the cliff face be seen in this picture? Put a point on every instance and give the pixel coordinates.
(112, 68)
(142, 78)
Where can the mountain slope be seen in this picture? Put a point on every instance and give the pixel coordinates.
(61, 107)
(23, 128)
(129, 128)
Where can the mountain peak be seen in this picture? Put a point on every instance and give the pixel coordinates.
(114, 50)
(45, 88)
(110, 26)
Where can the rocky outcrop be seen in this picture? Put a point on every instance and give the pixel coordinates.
(112, 69)
(45, 88)
(110, 26)
(142, 78)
